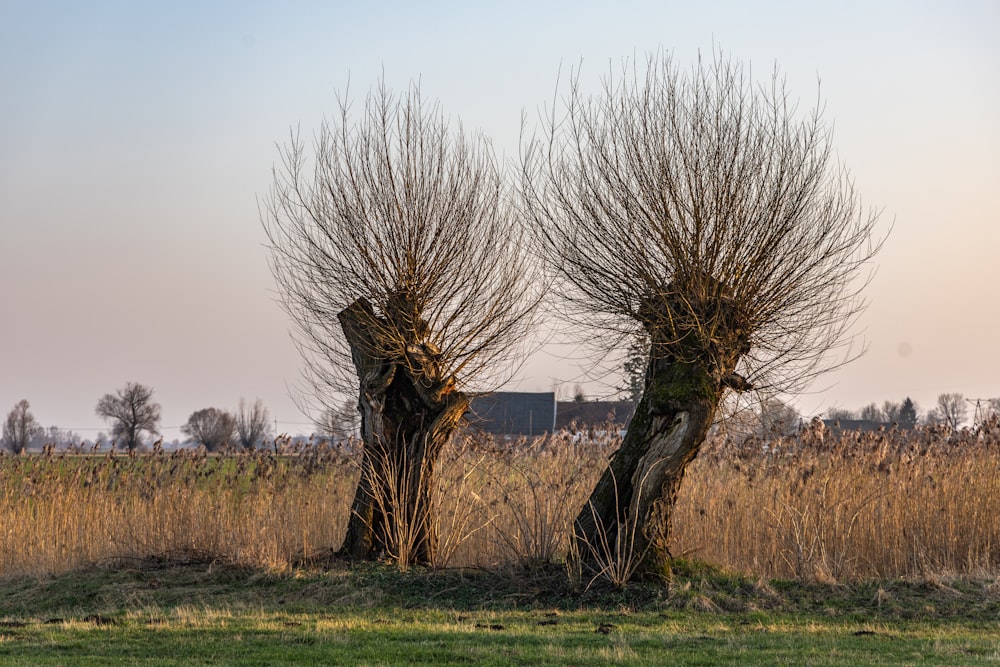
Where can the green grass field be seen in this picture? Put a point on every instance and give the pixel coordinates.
(177, 613)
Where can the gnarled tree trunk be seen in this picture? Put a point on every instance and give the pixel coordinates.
(408, 414)
(695, 343)
(634, 497)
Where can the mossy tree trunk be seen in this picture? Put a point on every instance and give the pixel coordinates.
(695, 344)
(408, 414)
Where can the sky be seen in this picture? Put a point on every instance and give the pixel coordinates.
(137, 140)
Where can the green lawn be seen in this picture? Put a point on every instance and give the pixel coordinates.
(170, 614)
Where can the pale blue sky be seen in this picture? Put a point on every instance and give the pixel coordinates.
(135, 138)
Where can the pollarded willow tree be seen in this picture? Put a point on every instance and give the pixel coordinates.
(703, 216)
(252, 421)
(400, 259)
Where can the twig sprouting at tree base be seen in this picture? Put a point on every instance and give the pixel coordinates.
(693, 212)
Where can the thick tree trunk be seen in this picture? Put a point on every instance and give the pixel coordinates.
(697, 336)
(408, 414)
(631, 504)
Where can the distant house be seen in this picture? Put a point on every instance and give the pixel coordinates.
(512, 413)
(593, 413)
(838, 426)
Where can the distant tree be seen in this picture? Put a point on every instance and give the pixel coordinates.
(891, 411)
(872, 413)
(210, 427)
(841, 414)
(578, 395)
(777, 418)
(952, 409)
(702, 213)
(20, 427)
(766, 418)
(340, 421)
(55, 436)
(252, 423)
(130, 411)
(908, 414)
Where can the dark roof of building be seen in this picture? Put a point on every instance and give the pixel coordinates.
(593, 413)
(513, 413)
(838, 425)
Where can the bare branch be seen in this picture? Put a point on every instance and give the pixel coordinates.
(675, 196)
(401, 210)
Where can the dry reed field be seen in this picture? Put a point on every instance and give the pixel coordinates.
(67, 510)
(878, 505)
(881, 505)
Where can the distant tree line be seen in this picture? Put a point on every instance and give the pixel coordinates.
(133, 415)
(131, 410)
(951, 409)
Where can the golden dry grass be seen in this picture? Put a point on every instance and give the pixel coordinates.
(920, 504)
(879, 505)
(516, 499)
(60, 512)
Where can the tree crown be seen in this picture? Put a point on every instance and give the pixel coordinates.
(695, 208)
(407, 220)
(131, 410)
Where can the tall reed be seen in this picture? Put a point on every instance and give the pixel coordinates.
(886, 504)
(62, 511)
(875, 505)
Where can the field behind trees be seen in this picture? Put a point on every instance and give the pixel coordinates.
(921, 504)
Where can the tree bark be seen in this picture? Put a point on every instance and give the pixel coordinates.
(408, 414)
(633, 500)
(695, 344)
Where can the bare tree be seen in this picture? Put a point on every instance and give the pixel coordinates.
(399, 260)
(892, 412)
(210, 427)
(343, 422)
(777, 418)
(20, 427)
(700, 213)
(131, 411)
(251, 423)
(55, 436)
(872, 413)
(951, 410)
(756, 422)
(841, 414)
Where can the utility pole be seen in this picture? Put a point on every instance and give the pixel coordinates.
(978, 415)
